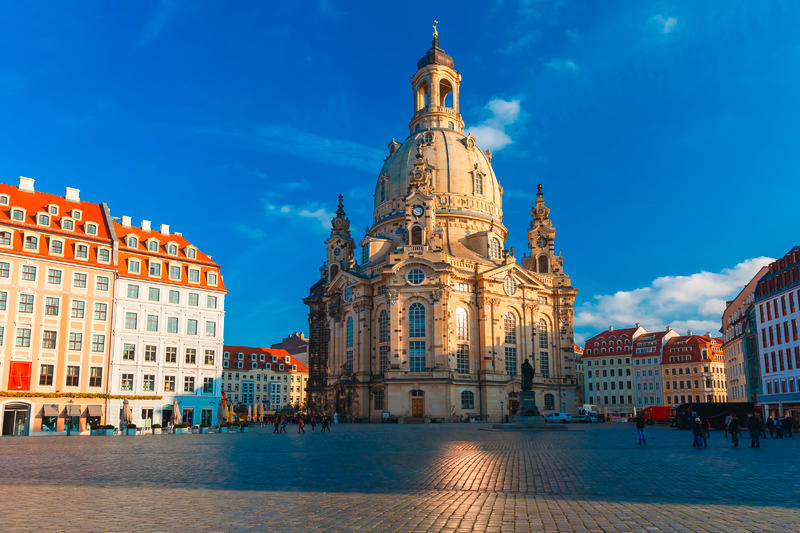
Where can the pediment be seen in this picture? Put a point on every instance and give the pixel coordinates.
(341, 280)
(522, 275)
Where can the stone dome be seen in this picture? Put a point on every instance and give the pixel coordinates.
(461, 175)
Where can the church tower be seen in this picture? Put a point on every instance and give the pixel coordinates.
(340, 245)
(541, 239)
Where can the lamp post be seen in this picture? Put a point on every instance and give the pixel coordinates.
(68, 418)
(502, 413)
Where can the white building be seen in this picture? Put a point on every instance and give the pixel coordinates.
(168, 324)
(647, 354)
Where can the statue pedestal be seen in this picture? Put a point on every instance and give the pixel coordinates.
(528, 412)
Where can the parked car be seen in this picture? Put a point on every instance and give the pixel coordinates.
(586, 418)
(558, 417)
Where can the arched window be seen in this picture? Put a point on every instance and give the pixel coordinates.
(462, 327)
(416, 320)
(543, 335)
(549, 402)
(510, 326)
(5, 238)
(543, 266)
(334, 271)
(467, 400)
(544, 356)
(416, 235)
(349, 332)
(422, 95)
(477, 183)
(494, 248)
(383, 326)
(31, 242)
(510, 323)
(383, 191)
(445, 89)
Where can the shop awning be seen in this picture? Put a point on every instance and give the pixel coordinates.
(74, 410)
(94, 410)
(50, 410)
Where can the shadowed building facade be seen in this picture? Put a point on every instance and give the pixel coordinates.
(438, 316)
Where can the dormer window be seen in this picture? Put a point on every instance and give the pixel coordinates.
(132, 241)
(226, 355)
(239, 355)
(287, 359)
(280, 366)
(76, 214)
(212, 278)
(91, 229)
(194, 275)
(52, 209)
(5, 238)
(152, 245)
(191, 253)
(155, 269)
(134, 266)
(81, 251)
(67, 224)
(103, 255)
(56, 247)
(18, 215)
(174, 272)
(4, 199)
(254, 357)
(274, 358)
(253, 364)
(477, 183)
(31, 242)
(172, 249)
(43, 220)
(261, 357)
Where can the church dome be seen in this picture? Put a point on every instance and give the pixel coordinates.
(461, 175)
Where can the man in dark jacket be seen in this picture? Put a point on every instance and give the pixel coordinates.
(733, 429)
(754, 425)
(640, 423)
(787, 425)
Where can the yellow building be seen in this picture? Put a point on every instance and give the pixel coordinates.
(269, 377)
(56, 287)
(438, 317)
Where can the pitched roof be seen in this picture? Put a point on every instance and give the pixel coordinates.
(268, 353)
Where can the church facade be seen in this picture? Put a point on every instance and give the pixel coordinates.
(436, 317)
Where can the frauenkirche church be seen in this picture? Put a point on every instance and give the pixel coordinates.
(438, 316)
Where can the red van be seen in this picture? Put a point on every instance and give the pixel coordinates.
(656, 414)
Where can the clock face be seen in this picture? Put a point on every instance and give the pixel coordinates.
(336, 252)
(418, 211)
(542, 242)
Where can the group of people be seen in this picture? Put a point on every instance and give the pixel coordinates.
(778, 427)
(775, 426)
(279, 423)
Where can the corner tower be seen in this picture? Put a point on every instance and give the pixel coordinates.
(436, 85)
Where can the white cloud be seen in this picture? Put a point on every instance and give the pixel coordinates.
(666, 24)
(314, 213)
(562, 65)
(693, 302)
(491, 133)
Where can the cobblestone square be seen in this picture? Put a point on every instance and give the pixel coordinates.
(400, 478)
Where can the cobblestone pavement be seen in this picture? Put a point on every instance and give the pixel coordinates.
(457, 477)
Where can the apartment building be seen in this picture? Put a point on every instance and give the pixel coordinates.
(647, 354)
(270, 377)
(693, 369)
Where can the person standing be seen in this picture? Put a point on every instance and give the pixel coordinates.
(727, 423)
(640, 423)
(301, 425)
(276, 425)
(778, 428)
(754, 425)
(787, 425)
(771, 426)
(697, 432)
(733, 429)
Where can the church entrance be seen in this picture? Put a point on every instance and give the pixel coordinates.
(417, 403)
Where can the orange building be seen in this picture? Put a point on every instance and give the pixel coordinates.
(56, 289)
(693, 370)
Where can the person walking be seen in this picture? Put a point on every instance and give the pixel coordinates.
(788, 422)
(727, 423)
(640, 423)
(754, 425)
(778, 428)
(771, 426)
(276, 425)
(706, 432)
(697, 432)
(313, 423)
(283, 424)
(733, 429)
(301, 425)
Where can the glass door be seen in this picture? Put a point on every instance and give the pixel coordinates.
(15, 420)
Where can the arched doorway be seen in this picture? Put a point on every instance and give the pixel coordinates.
(417, 403)
(16, 419)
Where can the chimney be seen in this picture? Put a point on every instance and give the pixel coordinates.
(179, 234)
(610, 328)
(690, 333)
(708, 333)
(164, 229)
(638, 325)
(126, 221)
(146, 225)
(669, 328)
(26, 184)
(72, 194)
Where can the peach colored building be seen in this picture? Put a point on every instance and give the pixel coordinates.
(56, 285)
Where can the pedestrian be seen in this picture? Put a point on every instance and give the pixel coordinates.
(283, 424)
(754, 425)
(727, 423)
(336, 418)
(733, 429)
(706, 432)
(778, 428)
(697, 432)
(313, 423)
(640, 423)
(787, 425)
(275, 425)
(771, 426)
(300, 425)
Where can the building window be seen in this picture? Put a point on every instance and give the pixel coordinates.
(155, 269)
(510, 328)
(174, 297)
(103, 255)
(191, 253)
(76, 341)
(212, 278)
(56, 247)
(81, 251)
(26, 303)
(172, 324)
(127, 382)
(102, 283)
(209, 357)
(23, 338)
(46, 375)
(462, 328)
(191, 327)
(78, 309)
(188, 384)
(98, 343)
(169, 383)
(100, 311)
(153, 294)
(467, 400)
(377, 400)
(133, 266)
(543, 341)
(152, 245)
(150, 352)
(54, 276)
(18, 215)
(208, 385)
(462, 359)
(5, 238)
(152, 323)
(211, 302)
(549, 402)
(79, 280)
(148, 382)
(171, 354)
(415, 276)
(211, 329)
(416, 356)
(477, 183)
(194, 275)
(73, 376)
(31, 242)
(511, 360)
(172, 249)
(348, 363)
(193, 299)
(349, 332)
(416, 320)
(130, 320)
(49, 340)
(4, 269)
(384, 358)
(28, 273)
(4, 302)
(174, 272)
(191, 356)
(128, 352)
(495, 251)
(91, 229)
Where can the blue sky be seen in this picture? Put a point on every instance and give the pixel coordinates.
(665, 133)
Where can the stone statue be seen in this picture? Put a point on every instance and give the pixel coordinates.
(527, 376)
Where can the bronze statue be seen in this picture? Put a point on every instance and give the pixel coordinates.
(527, 376)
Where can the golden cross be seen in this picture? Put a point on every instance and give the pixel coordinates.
(435, 31)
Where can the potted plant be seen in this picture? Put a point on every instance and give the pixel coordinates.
(223, 428)
(182, 429)
(204, 428)
(107, 430)
(156, 429)
(130, 429)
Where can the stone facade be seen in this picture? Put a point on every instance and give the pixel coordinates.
(437, 318)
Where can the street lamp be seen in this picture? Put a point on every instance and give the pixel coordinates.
(502, 413)
(68, 418)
